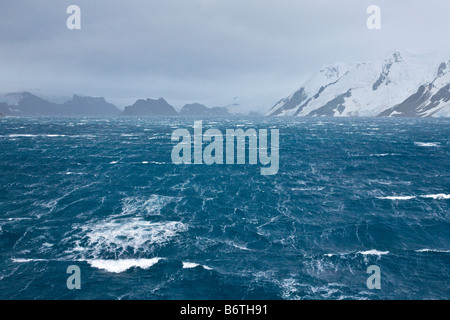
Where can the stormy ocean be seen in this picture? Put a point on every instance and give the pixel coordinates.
(104, 195)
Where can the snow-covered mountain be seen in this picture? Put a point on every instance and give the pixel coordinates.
(402, 85)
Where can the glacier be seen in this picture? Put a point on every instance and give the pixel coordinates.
(400, 85)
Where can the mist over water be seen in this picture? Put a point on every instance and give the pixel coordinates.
(103, 194)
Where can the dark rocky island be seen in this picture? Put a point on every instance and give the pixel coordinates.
(150, 107)
(28, 104)
(197, 109)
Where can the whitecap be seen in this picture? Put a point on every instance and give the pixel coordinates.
(373, 252)
(397, 197)
(20, 136)
(433, 250)
(120, 235)
(28, 135)
(438, 196)
(308, 189)
(14, 219)
(21, 260)
(118, 266)
(191, 265)
(427, 144)
(384, 154)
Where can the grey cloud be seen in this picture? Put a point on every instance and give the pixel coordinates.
(200, 49)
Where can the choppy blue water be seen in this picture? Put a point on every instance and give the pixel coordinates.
(103, 194)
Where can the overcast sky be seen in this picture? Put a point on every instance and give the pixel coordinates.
(202, 50)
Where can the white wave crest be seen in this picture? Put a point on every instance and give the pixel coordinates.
(397, 197)
(384, 154)
(118, 266)
(433, 250)
(438, 196)
(373, 252)
(427, 144)
(114, 266)
(191, 265)
(120, 235)
(21, 260)
(28, 135)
